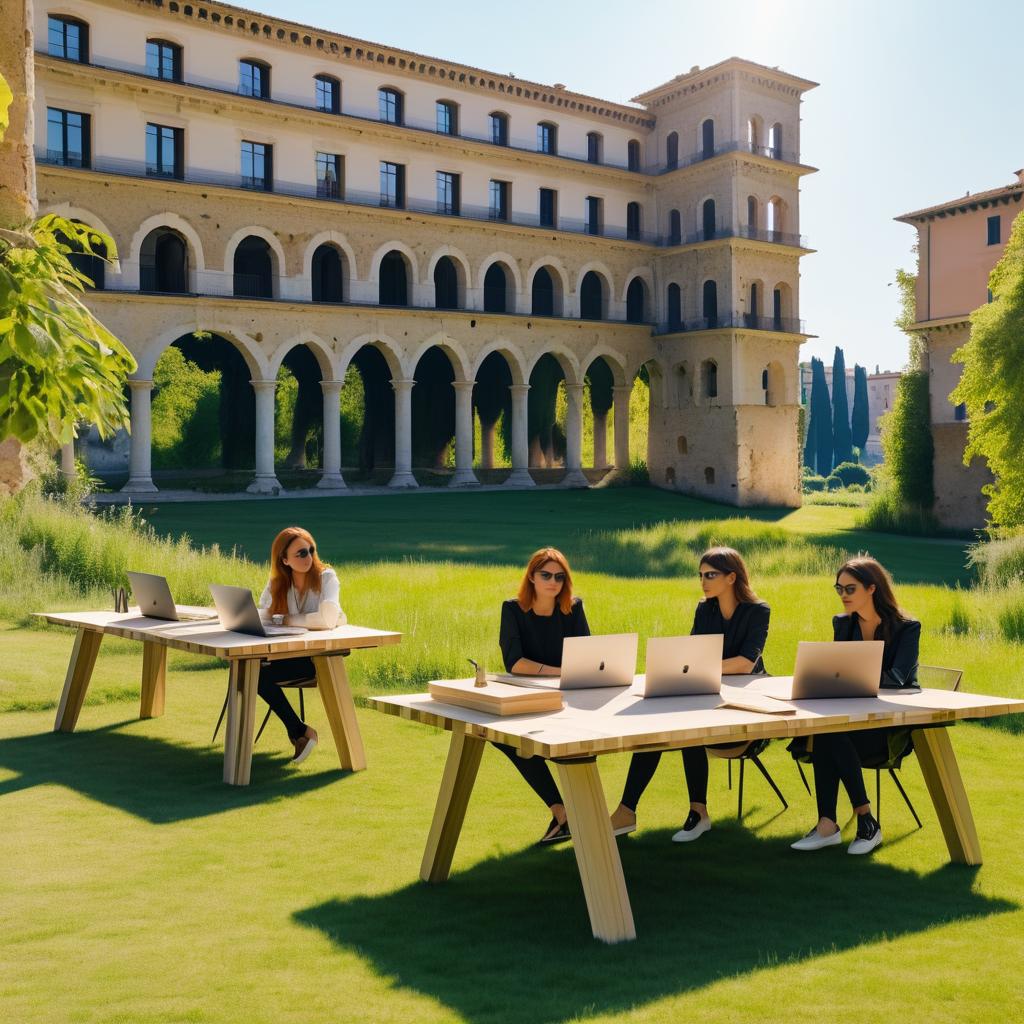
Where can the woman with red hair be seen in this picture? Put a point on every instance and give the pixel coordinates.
(533, 626)
(305, 592)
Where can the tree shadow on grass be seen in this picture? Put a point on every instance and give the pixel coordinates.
(158, 781)
(509, 939)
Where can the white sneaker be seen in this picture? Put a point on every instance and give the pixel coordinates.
(867, 842)
(814, 841)
(303, 748)
(694, 827)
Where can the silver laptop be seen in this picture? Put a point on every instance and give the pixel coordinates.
(840, 668)
(237, 611)
(682, 666)
(587, 662)
(153, 596)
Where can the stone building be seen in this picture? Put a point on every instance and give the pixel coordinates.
(959, 242)
(469, 241)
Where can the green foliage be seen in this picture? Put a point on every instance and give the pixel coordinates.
(860, 425)
(999, 562)
(352, 409)
(906, 284)
(819, 432)
(842, 442)
(1011, 622)
(852, 473)
(907, 443)
(992, 383)
(186, 413)
(833, 482)
(58, 363)
(814, 483)
(886, 513)
(959, 621)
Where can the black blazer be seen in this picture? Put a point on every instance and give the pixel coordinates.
(745, 633)
(899, 659)
(538, 637)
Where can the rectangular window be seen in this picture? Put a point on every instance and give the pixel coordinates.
(499, 130)
(68, 39)
(592, 215)
(390, 106)
(547, 138)
(994, 224)
(447, 118)
(392, 185)
(548, 207)
(254, 79)
(164, 151)
(257, 166)
(329, 176)
(163, 60)
(67, 138)
(328, 94)
(448, 193)
(499, 200)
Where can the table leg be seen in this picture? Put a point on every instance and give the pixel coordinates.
(244, 675)
(154, 678)
(76, 682)
(946, 788)
(332, 682)
(597, 854)
(456, 785)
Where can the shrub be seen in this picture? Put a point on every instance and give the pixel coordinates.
(833, 482)
(638, 474)
(851, 473)
(1000, 561)
(814, 483)
(959, 621)
(888, 514)
(1011, 622)
(856, 488)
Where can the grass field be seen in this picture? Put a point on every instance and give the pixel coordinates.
(140, 889)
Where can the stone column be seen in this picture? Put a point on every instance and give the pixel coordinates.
(600, 439)
(403, 435)
(464, 475)
(67, 460)
(332, 478)
(140, 474)
(266, 481)
(520, 438)
(574, 476)
(620, 398)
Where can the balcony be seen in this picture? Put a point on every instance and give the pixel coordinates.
(781, 324)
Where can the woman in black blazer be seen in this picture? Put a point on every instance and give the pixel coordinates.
(730, 607)
(870, 613)
(533, 626)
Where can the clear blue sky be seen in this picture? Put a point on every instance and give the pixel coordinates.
(918, 103)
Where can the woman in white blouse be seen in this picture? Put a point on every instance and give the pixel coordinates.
(305, 592)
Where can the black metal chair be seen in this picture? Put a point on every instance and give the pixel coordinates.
(289, 684)
(751, 752)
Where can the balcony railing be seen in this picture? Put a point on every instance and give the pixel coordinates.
(782, 324)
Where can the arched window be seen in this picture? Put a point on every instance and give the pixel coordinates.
(752, 215)
(254, 269)
(68, 38)
(163, 262)
(709, 474)
(775, 219)
(446, 284)
(591, 297)
(543, 293)
(636, 299)
(163, 60)
(710, 376)
(390, 106)
(707, 139)
(633, 221)
(777, 309)
(92, 265)
(672, 151)
(633, 155)
(328, 94)
(675, 228)
(775, 141)
(710, 304)
(708, 217)
(327, 275)
(254, 79)
(393, 288)
(753, 134)
(595, 144)
(674, 304)
(499, 128)
(447, 114)
(754, 307)
(496, 289)
(547, 138)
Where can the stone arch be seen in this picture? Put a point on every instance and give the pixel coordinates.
(616, 362)
(755, 133)
(175, 222)
(775, 392)
(781, 302)
(339, 241)
(682, 384)
(559, 279)
(565, 358)
(386, 345)
(148, 353)
(511, 263)
(461, 261)
(710, 388)
(601, 269)
(753, 301)
(509, 352)
(406, 251)
(90, 219)
(450, 347)
(775, 216)
(321, 352)
(280, 268)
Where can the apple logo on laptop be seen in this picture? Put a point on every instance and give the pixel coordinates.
(686, 668)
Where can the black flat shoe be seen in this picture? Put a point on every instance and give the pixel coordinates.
(556, 833)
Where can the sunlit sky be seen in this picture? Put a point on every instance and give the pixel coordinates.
(918, 103)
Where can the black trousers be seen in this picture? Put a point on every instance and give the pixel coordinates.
(536, 772)
(272, 673)
(642, 767)
(837, 757)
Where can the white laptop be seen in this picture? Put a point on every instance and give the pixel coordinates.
(153, 596)
(587, 662)
(837, 668)
(237, 611)
(683, 666)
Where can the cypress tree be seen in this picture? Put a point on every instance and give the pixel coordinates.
(842, 440)
(861, 421)
(821, 419)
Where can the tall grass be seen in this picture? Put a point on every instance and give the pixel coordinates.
(1000, 561)
(886, 513)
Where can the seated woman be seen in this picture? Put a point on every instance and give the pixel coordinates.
(871, 613)
(305, 592)
(732, 608)
(533, 626)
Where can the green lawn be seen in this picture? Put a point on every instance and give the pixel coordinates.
(141, 890)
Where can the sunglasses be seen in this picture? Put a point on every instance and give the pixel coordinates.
(547, 577)
(849, 590)
(711, 574)
(305, 552)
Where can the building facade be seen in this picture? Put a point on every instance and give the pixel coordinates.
(450, 232)
(959, 243)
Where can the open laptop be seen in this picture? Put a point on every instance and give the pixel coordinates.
(587, 662)
(683, 666)
(837, 668)
(153, 596)
(237, 611)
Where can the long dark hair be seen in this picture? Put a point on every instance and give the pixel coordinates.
(866, 571)
(727, 560)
